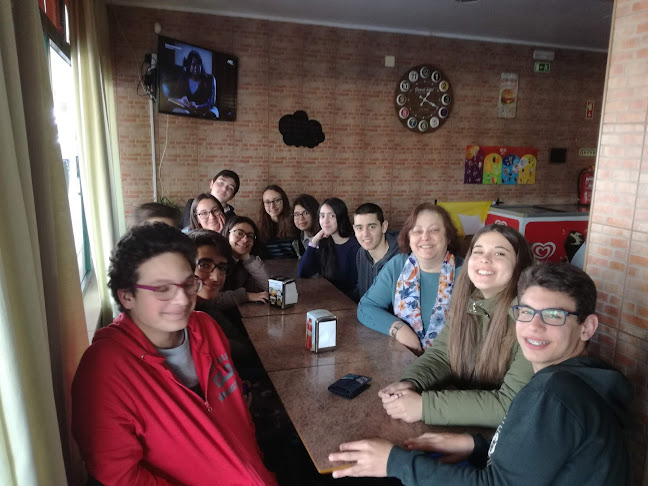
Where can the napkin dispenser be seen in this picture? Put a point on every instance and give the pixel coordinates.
(321, 330)
(282, 291)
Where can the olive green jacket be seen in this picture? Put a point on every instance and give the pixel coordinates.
(482, 408)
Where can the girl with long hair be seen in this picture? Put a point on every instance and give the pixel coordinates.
(277, 229)
(476, 353)
(332, 251)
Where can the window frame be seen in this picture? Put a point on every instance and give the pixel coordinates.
(56, 39)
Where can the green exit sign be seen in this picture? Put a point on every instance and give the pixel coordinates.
(587, 152)
(542, 67)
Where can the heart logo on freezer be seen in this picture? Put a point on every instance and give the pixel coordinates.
(543, 251)
(499, 221)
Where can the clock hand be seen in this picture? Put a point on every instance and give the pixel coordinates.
(424, 99)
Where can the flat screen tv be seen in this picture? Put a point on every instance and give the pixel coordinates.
(196, 82)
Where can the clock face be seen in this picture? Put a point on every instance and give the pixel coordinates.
(423, 98)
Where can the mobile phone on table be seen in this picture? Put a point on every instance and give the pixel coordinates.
(350, 386)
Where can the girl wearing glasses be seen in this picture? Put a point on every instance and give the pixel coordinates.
(304, 214)
(332, 251)
(277, 229)
(476, 353)
(207, 212)
(247, 278)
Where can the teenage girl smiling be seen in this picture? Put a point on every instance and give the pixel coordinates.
(475, 367)
(332, 251)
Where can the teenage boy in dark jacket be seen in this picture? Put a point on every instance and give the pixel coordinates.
(378, 245)
(563, 428)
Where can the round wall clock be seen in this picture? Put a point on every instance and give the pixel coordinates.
(423, 98)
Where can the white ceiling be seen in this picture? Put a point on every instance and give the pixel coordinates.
(577, 24)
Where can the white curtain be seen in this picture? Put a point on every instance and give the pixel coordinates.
(98, 144)
(42, 325)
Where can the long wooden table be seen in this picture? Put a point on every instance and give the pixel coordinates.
(324, 420)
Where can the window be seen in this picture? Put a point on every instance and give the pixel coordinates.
(61, 78)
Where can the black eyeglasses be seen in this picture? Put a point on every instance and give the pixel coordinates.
(239, 235)
(551, 317)
(191, 287)
(303, 214)
(207, 265)
(215, 212)
(272, 202)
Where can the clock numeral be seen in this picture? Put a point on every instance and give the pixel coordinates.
(443, 112)
(444, 86)
(411, 122)
(401, 99)
(434, 122)
(413, 76)
(436, 75)
(425, 72)
(423, 125)
(403, 113)
(404, 85)
(445, 99)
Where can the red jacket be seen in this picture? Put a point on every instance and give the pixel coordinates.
(137, 424)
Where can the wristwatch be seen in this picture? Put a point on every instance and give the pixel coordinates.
(394, 329)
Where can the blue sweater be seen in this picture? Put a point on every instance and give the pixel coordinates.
(346, 276)
(375, 309)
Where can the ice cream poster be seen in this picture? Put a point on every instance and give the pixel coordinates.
(500, 165)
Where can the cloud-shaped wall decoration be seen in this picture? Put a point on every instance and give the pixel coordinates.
(298, 131)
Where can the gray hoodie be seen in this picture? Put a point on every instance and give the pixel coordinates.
(367, 271)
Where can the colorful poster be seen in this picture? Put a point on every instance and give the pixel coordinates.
(507, 103)
(500, 165)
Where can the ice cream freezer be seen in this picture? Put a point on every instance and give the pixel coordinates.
(545, 227)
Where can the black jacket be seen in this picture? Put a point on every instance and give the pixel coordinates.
(564, 428)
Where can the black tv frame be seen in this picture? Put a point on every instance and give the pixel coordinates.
(172, 74)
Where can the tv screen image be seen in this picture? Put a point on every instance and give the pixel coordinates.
(195, 81)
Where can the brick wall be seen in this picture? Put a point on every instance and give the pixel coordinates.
(338, 77)
(618, 237)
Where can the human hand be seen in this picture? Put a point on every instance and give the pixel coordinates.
(318, 237)
(455, 447)
(408, 338)
(370, 457)
(406, 405)
(394, 388)
(261, 297)
(247, 392)
(221, 222)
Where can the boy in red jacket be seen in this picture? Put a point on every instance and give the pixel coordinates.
(156, 399)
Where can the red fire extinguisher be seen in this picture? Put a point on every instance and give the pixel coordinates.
(585, 186)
